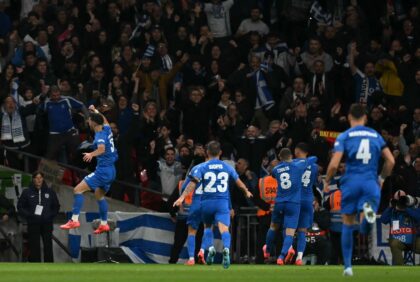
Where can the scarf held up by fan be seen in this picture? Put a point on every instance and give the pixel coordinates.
(11, 127)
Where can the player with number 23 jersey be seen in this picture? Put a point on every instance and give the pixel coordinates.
(214, 176)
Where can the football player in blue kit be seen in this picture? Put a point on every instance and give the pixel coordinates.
(214, 175)
(194, 220)
(101, 179)
(287, 204)
(306, 214)
(362, 148)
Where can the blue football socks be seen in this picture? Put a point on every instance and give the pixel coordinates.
(347, 244)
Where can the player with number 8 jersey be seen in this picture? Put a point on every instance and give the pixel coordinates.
(287, 204)
(101, 179)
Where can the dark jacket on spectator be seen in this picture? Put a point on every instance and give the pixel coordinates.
(32, 197)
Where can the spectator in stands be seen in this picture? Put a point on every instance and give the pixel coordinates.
(96, 86)
(298, 92)
(218, 14)
(254, 23)
(39, 206)
(249, 178)
(14, 131)
(402, 222)
(196, 115)
(366, 82)
(315, 53)
(62, 131)
(170, 173)
(252, 146)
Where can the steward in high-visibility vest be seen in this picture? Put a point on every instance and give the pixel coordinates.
(335, 211)
(267, 187)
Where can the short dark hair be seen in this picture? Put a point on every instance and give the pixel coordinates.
(96, 118)
(303, 147)
(213, 148)
(36, 173)
(285, 154)
(357, 111)
(170, 149)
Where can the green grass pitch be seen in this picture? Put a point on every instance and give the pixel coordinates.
(25, 272)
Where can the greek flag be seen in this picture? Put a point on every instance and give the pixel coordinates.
(144, 237)
(264, 97)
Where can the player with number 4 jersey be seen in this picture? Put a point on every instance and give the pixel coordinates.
(101, 179)
(214, 175)
(362, 147)
(306, 213)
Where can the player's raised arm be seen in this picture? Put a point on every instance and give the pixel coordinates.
(190, 187)
(242, 186)
(388, 165)
(93, 109)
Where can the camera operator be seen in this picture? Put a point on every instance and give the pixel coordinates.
(403, 215)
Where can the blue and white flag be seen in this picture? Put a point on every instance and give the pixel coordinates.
(264, 98)
(144, 237)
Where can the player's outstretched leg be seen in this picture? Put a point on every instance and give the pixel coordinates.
(191, 245)
(269, 240)
(103, 211)
(347, 243)
(287, 243)
(301, 245)
(77, 206)
(205, 244)
(208, 244)
(226, 238)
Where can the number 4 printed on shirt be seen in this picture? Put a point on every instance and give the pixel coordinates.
(363, 153)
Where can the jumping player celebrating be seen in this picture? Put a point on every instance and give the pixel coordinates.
(101, 179)
(362, 147)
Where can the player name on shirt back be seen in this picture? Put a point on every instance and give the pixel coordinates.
(283, 169)
(362, 133)
(215, 166)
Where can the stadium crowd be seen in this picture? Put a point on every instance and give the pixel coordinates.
(257, 75)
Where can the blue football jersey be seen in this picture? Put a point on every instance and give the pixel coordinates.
(362, 147)
(105, 137)
(214, 175)
(289, 179)
(308, 180)
(198, 188)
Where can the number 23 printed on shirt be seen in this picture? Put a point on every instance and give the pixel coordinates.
(212, 177)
